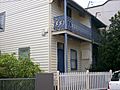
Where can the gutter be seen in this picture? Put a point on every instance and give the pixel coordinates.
(85, 11)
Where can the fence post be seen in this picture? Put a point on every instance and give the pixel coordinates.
(87, 79)
(58, 80)
(110, 73)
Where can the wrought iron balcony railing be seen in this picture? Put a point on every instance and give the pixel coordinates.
(75, 27)
(72, 26)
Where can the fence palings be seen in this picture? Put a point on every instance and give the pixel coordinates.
(83, 80)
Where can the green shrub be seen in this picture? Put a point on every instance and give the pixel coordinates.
(11, 67)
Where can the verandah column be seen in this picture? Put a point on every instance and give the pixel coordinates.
(66, 51)
(65, 13)
(65, 38)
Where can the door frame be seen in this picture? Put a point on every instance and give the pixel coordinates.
(63, 55)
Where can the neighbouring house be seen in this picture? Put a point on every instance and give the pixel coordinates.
(105, 11)
(56, 34)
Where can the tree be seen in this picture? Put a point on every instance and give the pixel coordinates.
(10, 67)
(109, 51)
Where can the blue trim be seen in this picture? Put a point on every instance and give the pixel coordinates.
(66, 52)
(76, 60)
(59, 23)
(65, 13)
(73, 26)
(76, 27)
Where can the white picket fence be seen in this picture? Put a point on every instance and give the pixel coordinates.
(83, 80)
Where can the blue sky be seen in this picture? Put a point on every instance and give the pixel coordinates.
(84, 3)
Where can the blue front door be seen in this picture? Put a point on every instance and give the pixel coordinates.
(60, 57)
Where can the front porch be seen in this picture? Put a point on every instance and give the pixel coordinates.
(70, 53)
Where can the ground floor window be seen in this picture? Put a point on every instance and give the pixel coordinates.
(24, 53)
(73, 58)
(2, 21)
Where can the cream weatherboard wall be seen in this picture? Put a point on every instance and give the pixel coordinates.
(25, 22)
(86, 55)
(55, 11)
(85, 19)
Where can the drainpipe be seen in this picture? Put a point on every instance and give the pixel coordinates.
(65, 38)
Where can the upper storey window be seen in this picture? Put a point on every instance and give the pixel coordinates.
(69, 12)
(2, 21)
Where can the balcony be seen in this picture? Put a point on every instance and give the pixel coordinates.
(75, 27)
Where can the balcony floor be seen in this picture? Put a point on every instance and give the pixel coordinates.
(70, 34)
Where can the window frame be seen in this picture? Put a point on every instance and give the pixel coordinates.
(75, 60)
(27, 48)
(4, 15)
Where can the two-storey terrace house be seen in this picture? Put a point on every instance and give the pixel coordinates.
(56, 34)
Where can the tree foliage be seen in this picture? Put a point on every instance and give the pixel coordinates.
(10, 67)
(109, 51)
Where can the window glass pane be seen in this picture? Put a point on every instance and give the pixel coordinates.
(24, 53)
(2, 21)
(73, 55)
(73, 64)
(73, 59)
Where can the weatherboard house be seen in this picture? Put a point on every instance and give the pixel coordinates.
(56, 34)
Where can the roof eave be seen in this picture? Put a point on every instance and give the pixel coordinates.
(84, 10)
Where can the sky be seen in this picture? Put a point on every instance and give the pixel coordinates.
(84, 3)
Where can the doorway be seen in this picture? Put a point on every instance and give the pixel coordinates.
(60, 57)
